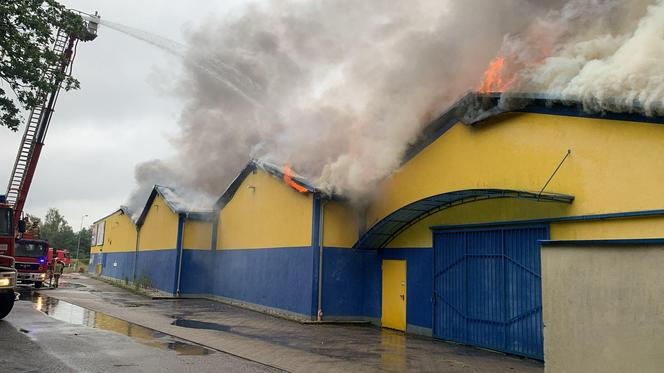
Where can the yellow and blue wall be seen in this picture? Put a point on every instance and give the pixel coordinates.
(262, 250)
(150, 251)
(115, 252)
(612, 172)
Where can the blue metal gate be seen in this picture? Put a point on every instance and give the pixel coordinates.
(487, 288)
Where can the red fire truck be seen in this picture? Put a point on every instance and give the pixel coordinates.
(12, 224)
(7, 272)
(31, 261)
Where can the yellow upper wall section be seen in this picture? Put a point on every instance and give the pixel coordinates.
(160, 228)
(265, 213)
(119, 234)
(486, 211)
(340, 224)
(626, 228)
(614, 165)
(197, 234)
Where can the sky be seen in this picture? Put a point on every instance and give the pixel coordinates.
(125, 112)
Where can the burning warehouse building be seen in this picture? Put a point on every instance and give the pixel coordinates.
(501, 219)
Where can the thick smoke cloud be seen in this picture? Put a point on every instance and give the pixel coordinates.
(335, 88)
(606, 54)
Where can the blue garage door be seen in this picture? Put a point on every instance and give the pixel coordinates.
(487, 288)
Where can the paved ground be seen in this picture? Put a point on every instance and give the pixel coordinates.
(32, 341)
(265, 339)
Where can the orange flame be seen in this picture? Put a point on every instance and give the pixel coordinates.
(494, 79)
(288, 179)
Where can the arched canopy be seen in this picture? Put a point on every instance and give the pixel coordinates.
(391, 226)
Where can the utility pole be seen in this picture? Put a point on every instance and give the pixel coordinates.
(78, 246)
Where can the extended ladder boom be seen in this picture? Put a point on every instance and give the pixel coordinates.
(39, 119)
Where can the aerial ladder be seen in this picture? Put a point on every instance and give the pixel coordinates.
(32, 142)
(40, 118)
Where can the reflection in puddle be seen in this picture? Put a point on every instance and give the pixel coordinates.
(393, 351)
(73, 314)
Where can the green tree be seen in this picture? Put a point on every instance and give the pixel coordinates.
(28, 31)
(57, 231)
(86, 242)
(60, 235)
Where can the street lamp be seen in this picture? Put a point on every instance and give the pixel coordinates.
(78, 246)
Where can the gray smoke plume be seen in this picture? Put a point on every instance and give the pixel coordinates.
(335, 88)
(339, 88)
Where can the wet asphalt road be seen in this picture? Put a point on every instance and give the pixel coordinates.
(32, 341)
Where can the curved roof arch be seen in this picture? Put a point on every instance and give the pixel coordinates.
(388, 228)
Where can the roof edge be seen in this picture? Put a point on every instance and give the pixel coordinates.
(124, 209)
(474, 108)
(269, 168)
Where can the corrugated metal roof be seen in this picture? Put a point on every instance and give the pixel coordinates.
(175, 203)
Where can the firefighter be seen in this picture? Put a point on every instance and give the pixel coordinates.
(57, 272)
(49, 272)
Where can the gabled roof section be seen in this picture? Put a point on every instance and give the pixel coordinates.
(176, 203)
(124, 210)
(271, 169)
(475, 108)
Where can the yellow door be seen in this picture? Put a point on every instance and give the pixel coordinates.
(394, 294)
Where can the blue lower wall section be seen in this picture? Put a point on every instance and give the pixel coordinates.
(93, 261)
(345, 291)
(119, 266)
(283, 278)
(196, 275)
(279, 278)
(352, 283)
(159, 267)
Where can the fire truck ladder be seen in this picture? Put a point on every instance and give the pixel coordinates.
(36, 127)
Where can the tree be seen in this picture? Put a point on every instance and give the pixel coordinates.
(25, 53)
(57, 231)
(86, 243)
(60, 235)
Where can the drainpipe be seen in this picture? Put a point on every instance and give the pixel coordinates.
(138, 234)
(180, 249)
(320, 261)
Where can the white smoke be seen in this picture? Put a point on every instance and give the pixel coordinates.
(606, 54)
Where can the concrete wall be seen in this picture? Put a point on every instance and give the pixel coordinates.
(603, 308)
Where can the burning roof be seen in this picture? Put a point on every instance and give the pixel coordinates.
(177, 201)
(285, 173)
(476, 107)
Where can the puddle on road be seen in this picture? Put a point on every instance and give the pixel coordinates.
(194, 324)
(63, 285)
(74, 314)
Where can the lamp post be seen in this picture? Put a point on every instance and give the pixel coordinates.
(78, 246)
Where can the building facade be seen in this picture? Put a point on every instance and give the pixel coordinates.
(450, 244)
(151, 251)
